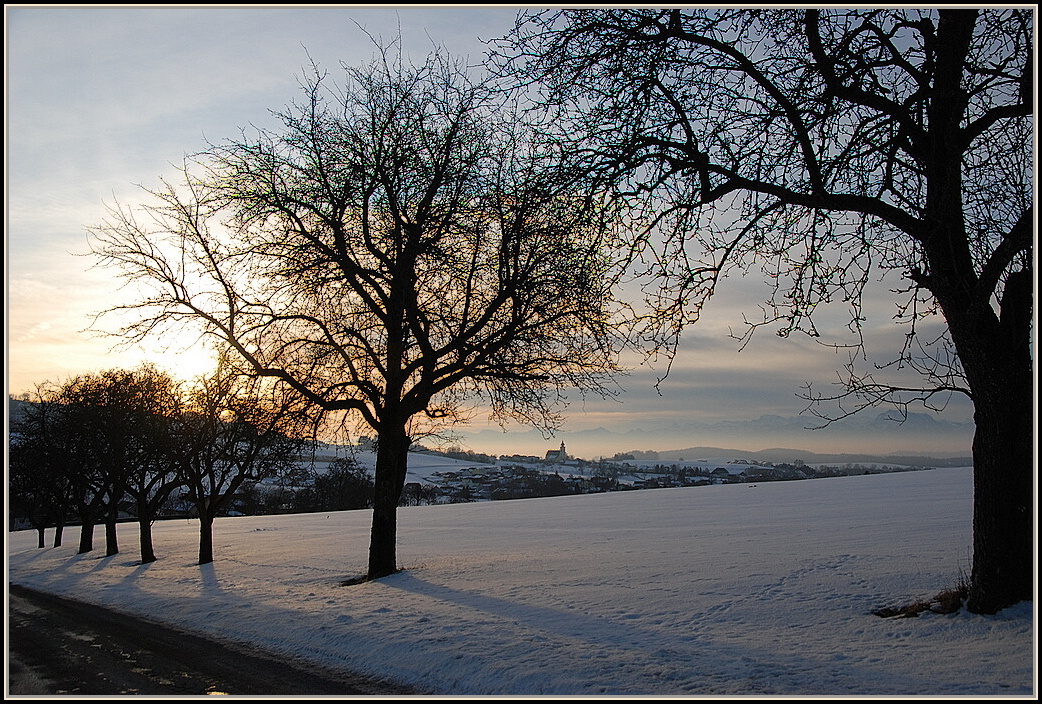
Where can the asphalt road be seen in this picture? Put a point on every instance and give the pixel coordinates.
(65, 647)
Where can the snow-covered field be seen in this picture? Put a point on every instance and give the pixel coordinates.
(737, 589)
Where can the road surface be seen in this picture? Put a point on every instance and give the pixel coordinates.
(61, 646)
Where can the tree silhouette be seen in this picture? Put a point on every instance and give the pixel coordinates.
(234, 430)
(115, 417)
(27, 486)
(824, 147)
(345, 485)
(399, 251)
(41, 482)
(154, 400)
(94, 441)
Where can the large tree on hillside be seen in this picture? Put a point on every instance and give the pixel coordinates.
(398, 250)
(824, 146)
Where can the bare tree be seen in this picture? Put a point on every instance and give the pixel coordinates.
(234, 430)
(824, 147)
(116, 428)
(40, 483)
(400, 251)
(91, 442)
(153, 402)
(96, 450)
(27, 493)
(344, 485)
(55, 439)
(85, 471)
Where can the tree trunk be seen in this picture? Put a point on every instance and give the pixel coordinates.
(59, 528)
(89, 512)
(145, 532)
(995, 357)
(111, 539)
(1003, 554)
(205, 536)
(86, 533)
(1003, 462)
(392, 463)
(994, 350)
(115, 494)
(41, 541)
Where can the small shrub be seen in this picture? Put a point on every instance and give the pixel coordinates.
(946, 602)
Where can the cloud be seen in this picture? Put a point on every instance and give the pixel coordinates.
(103, 98)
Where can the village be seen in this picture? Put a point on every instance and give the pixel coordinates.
(559, 474)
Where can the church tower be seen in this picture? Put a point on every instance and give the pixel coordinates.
(557, 455)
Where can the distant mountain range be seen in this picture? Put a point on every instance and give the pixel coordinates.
(882, 437)
(779, 454)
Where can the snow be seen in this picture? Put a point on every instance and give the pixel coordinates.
(423, 467)
(732, 589)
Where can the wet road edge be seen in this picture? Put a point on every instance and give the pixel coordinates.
(58, 645)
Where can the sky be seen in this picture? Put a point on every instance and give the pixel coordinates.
(103, 100)
(743, 590)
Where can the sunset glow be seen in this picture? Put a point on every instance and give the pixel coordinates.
(104, 100)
